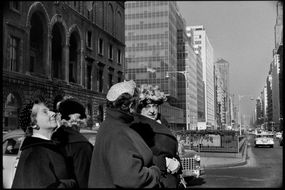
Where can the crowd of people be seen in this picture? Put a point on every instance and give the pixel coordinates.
(134, 146)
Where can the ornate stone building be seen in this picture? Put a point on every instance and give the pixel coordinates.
(57, 48)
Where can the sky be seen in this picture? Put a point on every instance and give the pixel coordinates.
(242, 33)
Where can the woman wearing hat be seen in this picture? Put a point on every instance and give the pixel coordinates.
(153, 128)
(75, 147)
(41, 165)
(121, 158)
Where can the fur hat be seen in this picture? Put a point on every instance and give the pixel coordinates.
(70, 106)
(120, 88)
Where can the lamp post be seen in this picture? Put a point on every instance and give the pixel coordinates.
(184, 73)
(239, 112)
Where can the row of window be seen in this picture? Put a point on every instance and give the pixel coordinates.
(151, 58)
(147, 48)
(101, 47)
(146, 15)
(146, 37)
(146, 26)
(134, 4)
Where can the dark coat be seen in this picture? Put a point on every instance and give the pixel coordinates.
(78, 152)
(121, 158)
(41, 165)
(162, 143)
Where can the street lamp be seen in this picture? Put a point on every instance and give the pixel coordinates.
(239, 114)
(184, 73)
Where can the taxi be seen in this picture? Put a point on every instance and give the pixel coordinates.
(264, 139)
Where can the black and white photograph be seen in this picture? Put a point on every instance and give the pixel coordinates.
(142, 94)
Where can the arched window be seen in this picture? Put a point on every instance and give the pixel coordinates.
(110, 19)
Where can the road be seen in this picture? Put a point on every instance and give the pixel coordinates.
(264, 169)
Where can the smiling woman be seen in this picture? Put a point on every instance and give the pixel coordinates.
(40, 165)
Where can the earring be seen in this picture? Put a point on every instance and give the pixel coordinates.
(36, 127)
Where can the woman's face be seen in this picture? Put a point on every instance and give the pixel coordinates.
(45, 118)
(150, 111)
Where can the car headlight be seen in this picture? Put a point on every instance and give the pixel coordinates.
(197, 157)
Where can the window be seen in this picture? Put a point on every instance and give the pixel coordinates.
(100, 48)
(15, 5)
(110, 80)
(100, 80)
(14, 53)
(111, 51)
(119, 56)
(89, 39)
(197, 42)
(89, 72)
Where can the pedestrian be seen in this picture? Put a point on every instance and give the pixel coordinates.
(74, 146)
(41, 165)
(154, 130)
(121, 158)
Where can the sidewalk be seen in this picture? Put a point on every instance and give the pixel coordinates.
(222, 160)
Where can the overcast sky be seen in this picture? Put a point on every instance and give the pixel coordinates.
(242, 33)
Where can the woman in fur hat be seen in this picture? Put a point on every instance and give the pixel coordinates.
(75, 147)
(41, 164)
(154, 130)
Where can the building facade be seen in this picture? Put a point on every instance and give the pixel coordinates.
(53, 48)
(151, 49)
(202, 42)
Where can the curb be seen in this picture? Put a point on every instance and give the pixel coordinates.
(240, 163)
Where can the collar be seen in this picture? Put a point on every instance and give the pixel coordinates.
(37, 135)
(120, 115)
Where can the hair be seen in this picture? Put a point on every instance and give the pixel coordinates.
(70, 106)
(27, 118)
(125, 102)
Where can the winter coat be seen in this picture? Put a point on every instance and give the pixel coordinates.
(162, 143)
(78, 152)
(41, 165)
(121, 158)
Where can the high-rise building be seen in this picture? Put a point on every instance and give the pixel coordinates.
(202, 42)
(57, 48)
(224, 67)
(151, 31)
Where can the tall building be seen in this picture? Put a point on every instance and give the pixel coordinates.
(53, 48)
(151, 50)
(269, 111)
(202, 42)
(224, 68)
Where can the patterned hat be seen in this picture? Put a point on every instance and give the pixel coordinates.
(151, 94)
(120, 88)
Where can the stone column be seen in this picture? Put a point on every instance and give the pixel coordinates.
(82, 69)
(49, 56)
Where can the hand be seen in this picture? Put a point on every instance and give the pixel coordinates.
(172, 165)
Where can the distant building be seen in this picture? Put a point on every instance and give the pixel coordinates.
(202, 42)
(57, 48)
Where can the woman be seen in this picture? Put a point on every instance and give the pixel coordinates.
(121, 158)
(75, 147)
(155, 132)
(41, 165)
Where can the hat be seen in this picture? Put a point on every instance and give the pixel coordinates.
(120, 88)
(150, 94)
(71, 106)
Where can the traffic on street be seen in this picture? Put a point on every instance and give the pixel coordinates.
(264, 169)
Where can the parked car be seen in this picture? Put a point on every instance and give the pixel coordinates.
(264, 139)
(11, 144)
(190, 161)
(278, 135)
(11, 155)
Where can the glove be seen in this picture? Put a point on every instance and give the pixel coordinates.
(172, 165)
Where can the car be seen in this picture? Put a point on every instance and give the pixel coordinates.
(190, 161)
(278, 135)
(264, 139)
(281, 141)
(11, 144)
(11, 155)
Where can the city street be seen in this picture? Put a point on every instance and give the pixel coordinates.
(264, 168)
